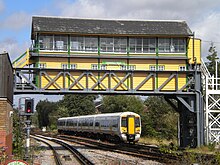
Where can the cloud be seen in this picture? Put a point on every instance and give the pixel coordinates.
(2, 6)
(201, 16)
(208, 30)
(142, 9)
(13, 47)
(16, 21)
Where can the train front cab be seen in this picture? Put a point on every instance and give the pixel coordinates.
(130, 128)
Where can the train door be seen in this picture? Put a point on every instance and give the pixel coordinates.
(131, 128)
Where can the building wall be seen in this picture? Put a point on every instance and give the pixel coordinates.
(194, 51)
(6, 77)
(6, 125)
(6, 101)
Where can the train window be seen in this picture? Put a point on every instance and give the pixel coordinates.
(137, 122)
(114, 124)
(96, 124)
(86, 123)
(124, 122)
(68, 123)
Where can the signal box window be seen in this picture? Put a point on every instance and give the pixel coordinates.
(46, 42)
(164, 45)
(106, 44)
(77, 43)
(60, 43)
(120, 45)
(142, 45)
(172, 45)
(149, 45)
(91, 44)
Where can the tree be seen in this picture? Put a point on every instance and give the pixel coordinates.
(18, 135)
(56, 114)
(44, 109)
(159, 120)
(121, 103)
(79, 104)
(212, 57)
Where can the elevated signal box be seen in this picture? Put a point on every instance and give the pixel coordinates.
(112, 45)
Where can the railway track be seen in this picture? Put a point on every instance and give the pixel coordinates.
(145, 152)
(141, 151)
(81, 159)
(55, 153)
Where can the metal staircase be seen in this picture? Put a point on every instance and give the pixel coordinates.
(212, 105)
(22, 60)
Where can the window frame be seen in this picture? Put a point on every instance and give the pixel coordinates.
(182, 68)
(161, 67)
(152, 68)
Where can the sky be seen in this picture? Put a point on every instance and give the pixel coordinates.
(202, 16)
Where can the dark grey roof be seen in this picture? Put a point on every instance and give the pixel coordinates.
(115, 27)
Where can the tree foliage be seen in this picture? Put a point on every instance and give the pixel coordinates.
(212, 57)
(71, 105)
(121, 103)
(79, 104)
(18, 136)
(159, 120)
(44, 110)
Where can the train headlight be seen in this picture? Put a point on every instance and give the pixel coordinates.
(138, 130)
(123, 130)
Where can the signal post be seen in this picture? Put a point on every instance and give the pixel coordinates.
(29, 107)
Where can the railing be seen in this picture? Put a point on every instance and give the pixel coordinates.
(42, 80)
(22, 60)
(204, 69)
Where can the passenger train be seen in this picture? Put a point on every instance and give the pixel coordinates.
(122, 126)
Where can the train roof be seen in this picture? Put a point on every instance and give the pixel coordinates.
(101, 115)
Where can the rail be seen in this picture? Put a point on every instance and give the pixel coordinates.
(55, 154)
(80, 157)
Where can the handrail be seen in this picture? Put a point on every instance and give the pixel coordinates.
(22, 60)
(204, 69)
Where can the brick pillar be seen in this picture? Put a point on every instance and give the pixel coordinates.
(6, 126)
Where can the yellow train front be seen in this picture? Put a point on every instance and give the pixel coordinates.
(130, 127)
(122, 126)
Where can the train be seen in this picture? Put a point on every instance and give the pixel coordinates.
(116, 127)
